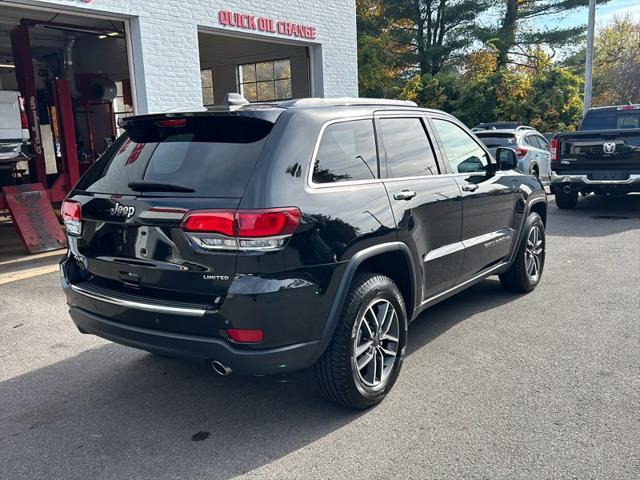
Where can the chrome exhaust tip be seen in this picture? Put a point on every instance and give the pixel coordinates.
(220, 368)
(567, 189)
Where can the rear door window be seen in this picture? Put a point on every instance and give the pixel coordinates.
(495, 140)
(212, 155)
(347, 152)
(544, 145)
(532, 141)
(408, 150)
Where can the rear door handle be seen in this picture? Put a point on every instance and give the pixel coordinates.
(404, 195)
(469, 187)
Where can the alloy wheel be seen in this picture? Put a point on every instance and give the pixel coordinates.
(534, 253)
(376, 343)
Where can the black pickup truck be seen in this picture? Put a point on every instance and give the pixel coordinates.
(602, 157)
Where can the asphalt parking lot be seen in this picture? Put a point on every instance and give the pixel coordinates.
(496, 385)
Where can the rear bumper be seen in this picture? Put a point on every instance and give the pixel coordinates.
(293, 335)
(254, 362)
(583, 180)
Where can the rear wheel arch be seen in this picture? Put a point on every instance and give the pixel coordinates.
(390, 259)
(535, 169)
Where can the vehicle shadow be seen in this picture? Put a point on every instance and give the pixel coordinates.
(114, 412)
(595, 216)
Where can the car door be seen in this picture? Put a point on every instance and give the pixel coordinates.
(534, 153)
(427, 206)
(489, 197)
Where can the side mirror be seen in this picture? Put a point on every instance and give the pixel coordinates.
(507, 158)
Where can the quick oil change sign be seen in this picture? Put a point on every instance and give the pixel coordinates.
(228, 18)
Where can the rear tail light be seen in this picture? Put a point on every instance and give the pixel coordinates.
(555, 149)
(521, 153)
(242, 230)
(245, 336)
(72, 217)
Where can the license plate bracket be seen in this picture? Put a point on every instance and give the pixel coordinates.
(609, 175)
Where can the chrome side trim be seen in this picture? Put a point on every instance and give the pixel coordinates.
(443, 251)
(556, 178)
(488, 238)
(463, 285)
(147, 307)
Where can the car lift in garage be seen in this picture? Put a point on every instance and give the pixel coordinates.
(30, 204)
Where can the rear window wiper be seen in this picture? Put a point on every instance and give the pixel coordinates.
(154, 186)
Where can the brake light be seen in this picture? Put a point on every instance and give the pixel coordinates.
(267, 223)
(629, 107)
(555, 149)
(175, 122)
(211, 222)
(244, 230)
(72, 217)
(521, 153)
(245, 336)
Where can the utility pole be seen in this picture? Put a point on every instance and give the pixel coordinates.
(588, 79)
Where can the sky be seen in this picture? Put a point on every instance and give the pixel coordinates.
(605, 13)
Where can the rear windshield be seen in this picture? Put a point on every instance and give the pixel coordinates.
(611, 120)
(214, 156)
(494, 140)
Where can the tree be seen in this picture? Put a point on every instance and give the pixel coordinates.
(617, 63)
(434, 30)
(512, 40)
(379, 68)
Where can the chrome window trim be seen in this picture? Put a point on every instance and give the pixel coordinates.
(421, 115)
(314, 157)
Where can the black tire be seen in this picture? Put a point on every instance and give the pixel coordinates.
(535, 172)
(518, 277)
(566, 201)
(337, 377)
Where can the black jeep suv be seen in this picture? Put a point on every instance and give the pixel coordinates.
(270, 238)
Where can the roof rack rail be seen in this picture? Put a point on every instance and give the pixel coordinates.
(345, 101)
(524, 127)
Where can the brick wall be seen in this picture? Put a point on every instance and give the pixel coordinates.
(165, 44)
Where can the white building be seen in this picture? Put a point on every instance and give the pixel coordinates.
(166, 54)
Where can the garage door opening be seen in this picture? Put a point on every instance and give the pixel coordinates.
(64, 84)
(261, 71)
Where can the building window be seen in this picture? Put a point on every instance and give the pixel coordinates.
(265, 81)
(207, 86)
(121, 108)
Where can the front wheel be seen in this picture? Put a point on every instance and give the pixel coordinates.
(363, 360)
(526, 270)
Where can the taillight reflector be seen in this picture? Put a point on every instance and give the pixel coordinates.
(245, 336)
(555, 149)
(72, 216)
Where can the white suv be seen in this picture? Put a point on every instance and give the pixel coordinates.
(532, 149)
